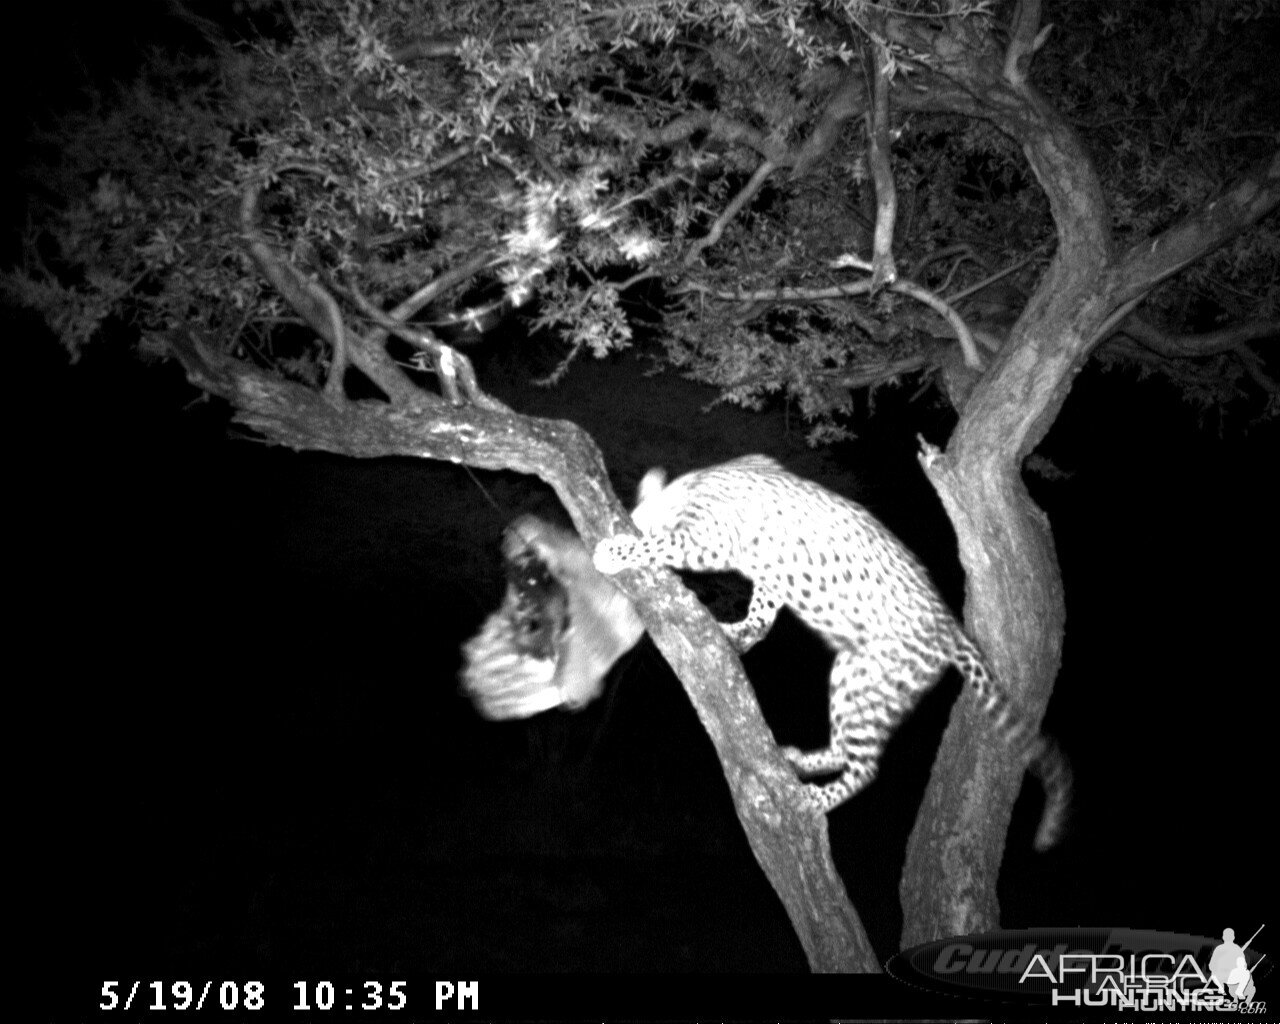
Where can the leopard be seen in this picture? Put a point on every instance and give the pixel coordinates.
(852, 582)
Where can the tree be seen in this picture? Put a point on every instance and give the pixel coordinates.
(311, 207)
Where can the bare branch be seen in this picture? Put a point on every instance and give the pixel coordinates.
(1193, 346)
(941, 306)
(1255, 368)
(848, 100)
(878, 150)
(453, 369)
(432, 49)
(878, 373)
(961, 81)
(1190, 375)
(320, 311)
(434, 167)
(1025, 38)
(1153, 260)
(961, 250)
(717, 126)
(1195, 360)
(451, 278)
(991, 279)
(839, 291)
(902, 286)
(732, 210)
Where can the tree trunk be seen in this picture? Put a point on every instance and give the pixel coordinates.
(1014, 603)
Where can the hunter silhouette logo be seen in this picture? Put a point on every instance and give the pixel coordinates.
(1229, 969)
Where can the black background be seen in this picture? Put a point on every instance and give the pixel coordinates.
(238, 740)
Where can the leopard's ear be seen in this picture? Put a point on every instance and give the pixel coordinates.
(651, 484)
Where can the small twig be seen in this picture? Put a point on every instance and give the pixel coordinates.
(960, 249)
(736, 204)
(839, 291)
(991, 279)
(439, 164)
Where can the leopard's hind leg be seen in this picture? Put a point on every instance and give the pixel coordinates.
(872, 689)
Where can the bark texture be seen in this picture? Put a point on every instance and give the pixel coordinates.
(1014, 602)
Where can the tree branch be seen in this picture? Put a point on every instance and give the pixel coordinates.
(879, 147)
(902, 286)
(786, 833)
(1025, 38)
(847, 101)
(320, 311)
(453, 369)
(970, 350)
(1194, 346)
(1152, 260)
(429, 292)
(717, 126)
(960, 249)
(732, 210)
(879, 373)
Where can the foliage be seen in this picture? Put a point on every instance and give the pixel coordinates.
(579, 147)
(1169, 135)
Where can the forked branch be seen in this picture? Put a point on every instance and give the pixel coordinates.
(319, 309)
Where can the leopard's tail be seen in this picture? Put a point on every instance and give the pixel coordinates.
(1054, 770)
(1041, 754)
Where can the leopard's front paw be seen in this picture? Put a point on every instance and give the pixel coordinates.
(613, 554)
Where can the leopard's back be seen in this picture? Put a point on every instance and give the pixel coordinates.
(844, 574)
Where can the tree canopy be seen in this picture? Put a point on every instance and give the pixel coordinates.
(316, 207)
(694, 170)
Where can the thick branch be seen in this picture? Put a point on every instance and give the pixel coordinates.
(1025, 38)
(1194, 346)
(1014, 603)
(878, 150)
(960, 80)
(1153, 260)
(787, 834)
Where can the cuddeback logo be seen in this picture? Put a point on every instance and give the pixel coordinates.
(1119, 968)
